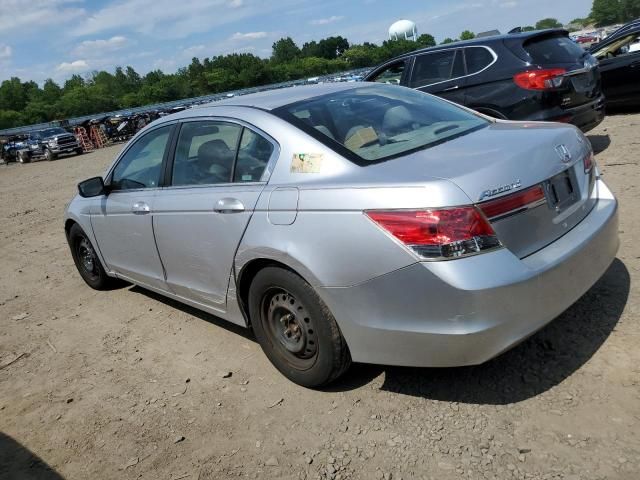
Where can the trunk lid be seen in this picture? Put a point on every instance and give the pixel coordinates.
(504, 158)
(554, 49)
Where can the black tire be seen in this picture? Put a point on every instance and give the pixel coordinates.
(49, 155)
(295, 329)
(87, 261)
(79, 151)
(23, 157)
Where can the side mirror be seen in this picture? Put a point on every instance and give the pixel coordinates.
(92, 187)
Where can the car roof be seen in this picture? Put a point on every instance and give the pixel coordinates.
(272, 99)
(480, 41)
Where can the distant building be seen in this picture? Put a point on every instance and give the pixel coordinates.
(490, 33)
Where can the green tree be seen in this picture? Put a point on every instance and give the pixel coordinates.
(12, 95)
(425, 40)
(10, 119)
(528, 28)
(284, 50)
(606, 12)
(548, 23)
(359, 56)
(448, 40)
(51, 91)
(467, 35)
(630, 10)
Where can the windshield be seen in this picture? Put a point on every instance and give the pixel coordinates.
(624, 45)
(376, 123)
(48, 132)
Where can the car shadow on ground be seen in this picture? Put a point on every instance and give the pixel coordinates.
(599, 142)
(207, 317)
(18, 462)
(533, 367)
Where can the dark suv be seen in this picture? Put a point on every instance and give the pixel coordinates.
(541, 75)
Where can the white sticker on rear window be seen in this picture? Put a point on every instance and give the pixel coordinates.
(306, 162)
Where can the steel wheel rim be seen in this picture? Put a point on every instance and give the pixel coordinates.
(290, 328)
(87, 257)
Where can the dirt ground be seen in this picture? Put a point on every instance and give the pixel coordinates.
(125, 384)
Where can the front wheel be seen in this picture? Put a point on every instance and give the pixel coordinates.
(295, 328)
(23, 157)
(49, 155)
(87, 261)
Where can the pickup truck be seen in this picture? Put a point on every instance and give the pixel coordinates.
(51, 142)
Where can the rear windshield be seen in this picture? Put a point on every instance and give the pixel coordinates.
(376, 123)
(553, 50)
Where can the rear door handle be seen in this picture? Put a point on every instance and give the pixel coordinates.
(229, 205)
(451, 89)
(140, 208)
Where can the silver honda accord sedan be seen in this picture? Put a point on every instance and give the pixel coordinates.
(353, 222)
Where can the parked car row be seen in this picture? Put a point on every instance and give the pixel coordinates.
(360, 221)
(540, 75)
(48, 144)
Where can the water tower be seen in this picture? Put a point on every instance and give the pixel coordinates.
(403, 29)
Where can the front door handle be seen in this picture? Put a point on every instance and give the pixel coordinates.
(140, 208)
(451, 89)
(229, 205)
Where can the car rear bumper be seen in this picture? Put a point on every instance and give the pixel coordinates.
(467, 311)
(585, 117)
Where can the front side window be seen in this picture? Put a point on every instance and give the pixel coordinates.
(436, 67)
(375, 123)
(141, 165)
(392, 74)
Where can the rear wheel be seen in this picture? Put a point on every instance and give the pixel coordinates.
(87, 261)
(295, 328)
(79, 151)
(23, 157)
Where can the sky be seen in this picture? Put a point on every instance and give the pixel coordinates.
(42, 39)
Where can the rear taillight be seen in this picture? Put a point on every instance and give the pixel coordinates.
(439, 233)
(513, 203)
(546, 79)
(588, 162)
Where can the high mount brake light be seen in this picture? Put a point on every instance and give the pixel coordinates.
(513, 203)
(439, 233)
(546, 79)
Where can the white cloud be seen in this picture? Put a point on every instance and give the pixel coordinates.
(73, 67)
(509, 4)
(168, 19)
(21, 16)
(97, 48)
(248, 35)
(326, 21)
(5, 52)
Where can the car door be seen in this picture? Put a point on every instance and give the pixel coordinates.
(215, 179)
(441, 73)
(620, 69)
(123, 220)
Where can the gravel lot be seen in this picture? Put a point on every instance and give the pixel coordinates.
(126, 384)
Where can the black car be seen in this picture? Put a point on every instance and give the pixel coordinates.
(540, 75)
(619, 59)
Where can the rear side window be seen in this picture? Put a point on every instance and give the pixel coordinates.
(478, 58)
(436, 67)
(553, 50)
(205, 153)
